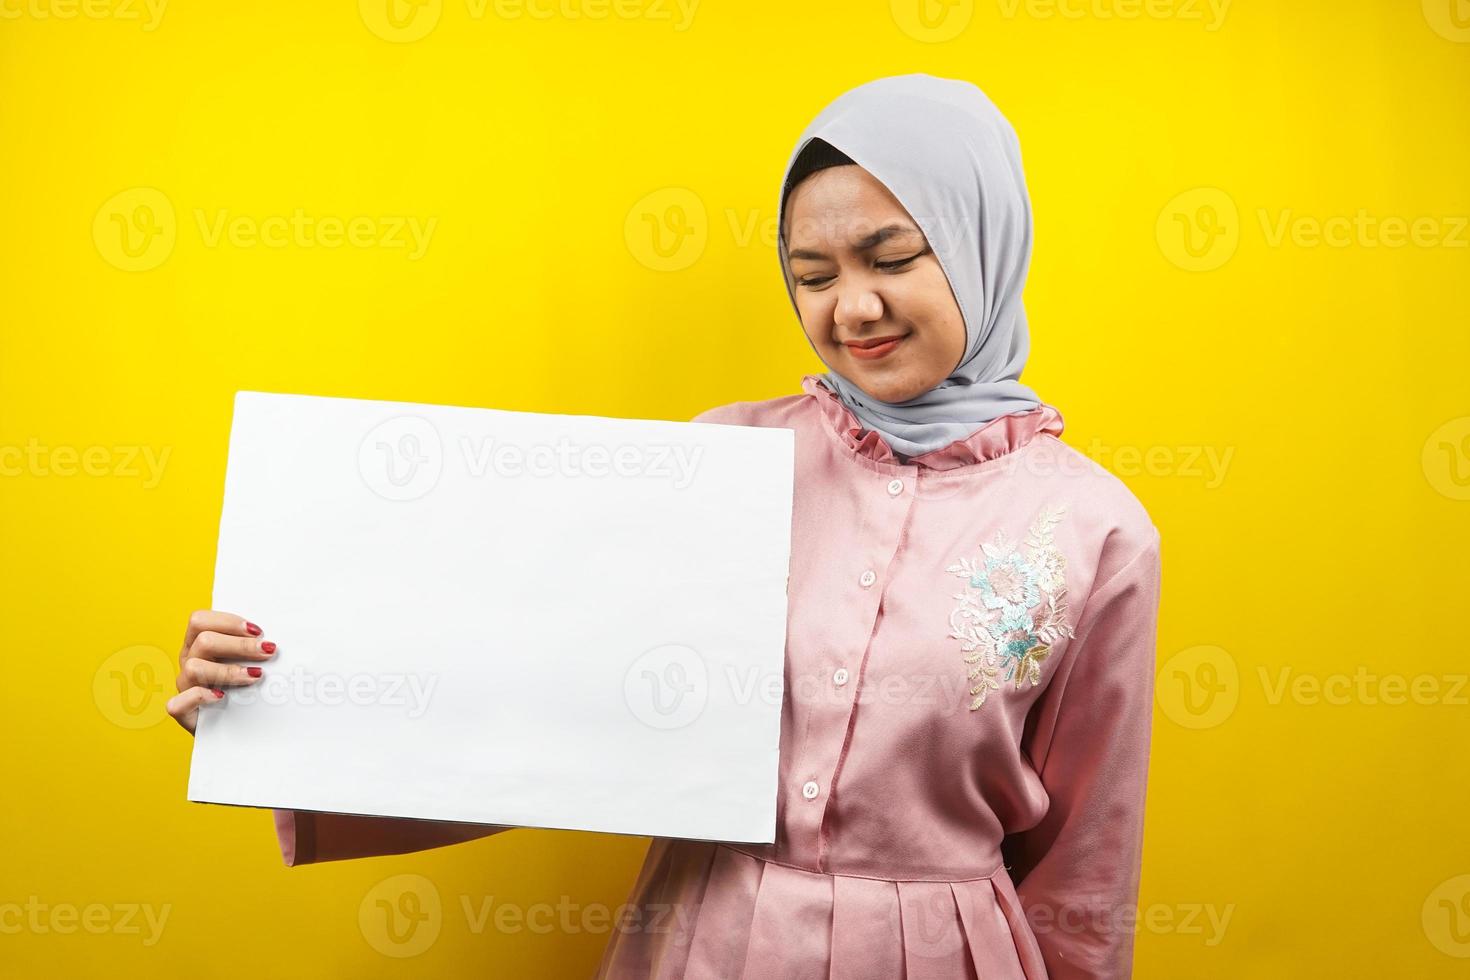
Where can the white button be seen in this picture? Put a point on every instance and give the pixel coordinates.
(868, 578)
(839, 677)
(810, 789)
(895, 487)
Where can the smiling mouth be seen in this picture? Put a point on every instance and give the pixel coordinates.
(871, 350)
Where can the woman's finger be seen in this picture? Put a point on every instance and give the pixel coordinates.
(210, 645)
(207, 673)
(218, 622)
(184, 706)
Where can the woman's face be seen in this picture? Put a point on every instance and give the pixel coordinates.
(871, 294)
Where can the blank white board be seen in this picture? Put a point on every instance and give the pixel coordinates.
(502, 617)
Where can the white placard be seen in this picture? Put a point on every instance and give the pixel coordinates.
(501, 617)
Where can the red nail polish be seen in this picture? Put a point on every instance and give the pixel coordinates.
(268, 646)
(253, 671)
(218, 693)
(252, 629)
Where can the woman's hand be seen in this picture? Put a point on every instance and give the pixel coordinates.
(213, 637)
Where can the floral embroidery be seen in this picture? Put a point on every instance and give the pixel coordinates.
(1015, 608)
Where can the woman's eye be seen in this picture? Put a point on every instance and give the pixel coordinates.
(813, 282)
(898, 263)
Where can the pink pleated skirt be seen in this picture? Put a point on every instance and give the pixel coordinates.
(707, 911)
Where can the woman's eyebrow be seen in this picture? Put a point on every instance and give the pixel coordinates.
(863, 244)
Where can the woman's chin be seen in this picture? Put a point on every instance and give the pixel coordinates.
(887, 386)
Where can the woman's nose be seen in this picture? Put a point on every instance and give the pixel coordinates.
(857, 305)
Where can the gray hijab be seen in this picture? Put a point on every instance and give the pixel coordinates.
(943, 149)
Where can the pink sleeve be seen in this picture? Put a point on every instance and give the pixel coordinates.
(307, 837)
(1077, 871)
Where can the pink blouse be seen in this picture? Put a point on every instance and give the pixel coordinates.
(964, 735)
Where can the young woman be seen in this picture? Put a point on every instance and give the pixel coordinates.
(970, 649)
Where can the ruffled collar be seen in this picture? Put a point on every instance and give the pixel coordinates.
(995, 438)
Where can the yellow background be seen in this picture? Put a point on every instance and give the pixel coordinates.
(547, 141)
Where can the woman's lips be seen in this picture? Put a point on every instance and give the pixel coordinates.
(878, 350)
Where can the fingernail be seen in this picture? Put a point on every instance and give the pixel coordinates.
(251, 628)
(253, 671)
(217, 692)
(269, 646)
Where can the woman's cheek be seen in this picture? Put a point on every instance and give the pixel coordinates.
(816, 321)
